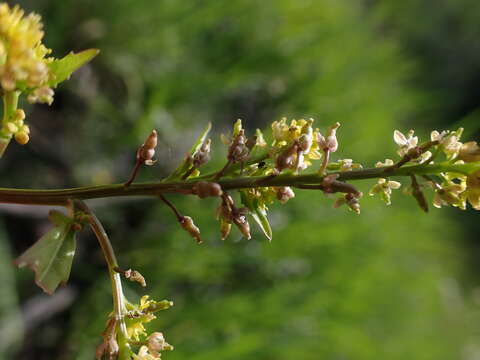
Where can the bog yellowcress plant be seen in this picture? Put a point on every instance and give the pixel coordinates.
(259, 170)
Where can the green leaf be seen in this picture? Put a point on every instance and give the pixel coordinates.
(51, 257)
(62, 69)
(260, 216)
(186, 164)
(237, 127)
(258, 213)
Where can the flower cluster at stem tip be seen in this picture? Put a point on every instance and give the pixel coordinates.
(23, 67)
(451, 188)
(27, 69)
(149, 346)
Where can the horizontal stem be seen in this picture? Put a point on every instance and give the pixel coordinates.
(62, 196)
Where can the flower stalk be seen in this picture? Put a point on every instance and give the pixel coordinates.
(154, 189)
(119, 307)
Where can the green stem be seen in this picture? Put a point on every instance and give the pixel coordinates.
(154, 189)
(10, 103)
(117, 291)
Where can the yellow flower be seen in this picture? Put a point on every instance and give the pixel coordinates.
(450, 194)
(405, 142)
(23, 57)
(384, 187)
(138, 314)
(388, 162)
(143, 354)
(135, 327)
(284, 133)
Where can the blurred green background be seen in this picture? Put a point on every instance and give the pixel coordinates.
(392, 283)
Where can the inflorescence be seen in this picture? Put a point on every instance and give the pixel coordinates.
(261, 171)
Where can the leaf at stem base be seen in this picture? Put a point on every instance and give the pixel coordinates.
(50, 258)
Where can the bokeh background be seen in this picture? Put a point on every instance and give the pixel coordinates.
(392, 283)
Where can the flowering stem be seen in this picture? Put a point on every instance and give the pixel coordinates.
(414, 153)
(222, 171)
(10, 103)
(110, 258)
(61, 196)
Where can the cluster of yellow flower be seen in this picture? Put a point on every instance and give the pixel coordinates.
(22, 55)
(451, 188)
(23, 68)
(150, 346)
(143, 313)
(456, 189)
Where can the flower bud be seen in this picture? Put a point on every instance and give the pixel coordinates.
(22, 137)
(329, 143)
(146, 152)
(351, 200)
(203, 154)
(11, 127)
(238, 150)
(187, 224)
(152, 140)
(286, 159)
(305, 140)
(25, 128)
(242, 224)
(353, 203)
(284, 194)
(239, 218)
(225, 228)
(42, 94)
(19, 115)
(156, 343)
(134, 275)
(205, 189)
(259, 139)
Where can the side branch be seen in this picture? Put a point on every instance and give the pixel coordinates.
(154, 189)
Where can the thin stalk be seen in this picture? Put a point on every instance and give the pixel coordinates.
(111, 260)
(326, 159)
(171, 206)
(222, 171)
(134, 173)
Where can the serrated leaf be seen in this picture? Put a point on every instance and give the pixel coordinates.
(186, 164)
(51, 257)
(259, 214)
(62, 69)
